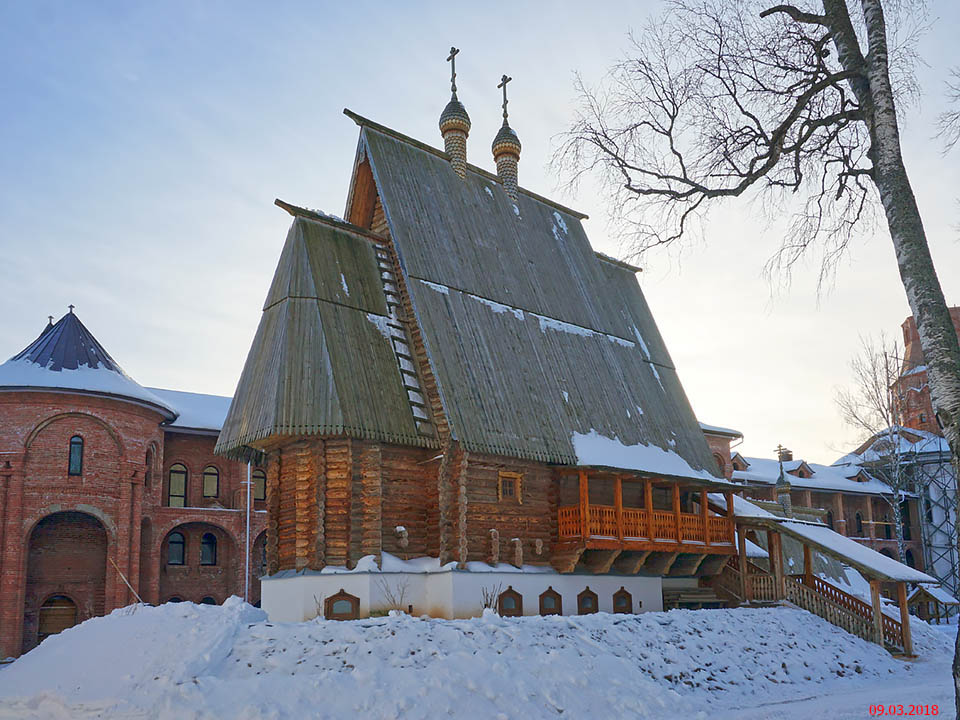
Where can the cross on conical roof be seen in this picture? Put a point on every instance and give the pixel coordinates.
(66, 356)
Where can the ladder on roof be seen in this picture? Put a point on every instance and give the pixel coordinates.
(401, 345)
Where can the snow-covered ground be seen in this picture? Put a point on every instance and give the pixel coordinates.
(196, 661)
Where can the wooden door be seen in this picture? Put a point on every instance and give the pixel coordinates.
(56, 614)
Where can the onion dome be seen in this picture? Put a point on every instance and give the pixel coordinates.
(454, 117)
(506, 141)
(67, 357)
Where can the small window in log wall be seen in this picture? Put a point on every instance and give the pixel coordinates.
(510, 487)
(342, 606)
(510, 603)
(622, 601)
(587, 602)
(550, 602)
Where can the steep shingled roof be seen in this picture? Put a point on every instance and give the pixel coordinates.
(541, 349)
(321, 362)
(66, 356)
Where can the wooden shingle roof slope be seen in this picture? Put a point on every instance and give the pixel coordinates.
(541, 349)
(321, 362)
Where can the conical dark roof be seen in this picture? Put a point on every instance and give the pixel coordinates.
(66, 356)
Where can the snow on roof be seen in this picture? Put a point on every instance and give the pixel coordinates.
(825, 477)
(859, 555)
(66, 356)
(741, 507)
(718, 430)
(601, 451)
(196, 410)
(18, 374)
(910, 440)
(754, 550)
(938, 593)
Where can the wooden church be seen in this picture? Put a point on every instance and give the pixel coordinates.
(459, 402)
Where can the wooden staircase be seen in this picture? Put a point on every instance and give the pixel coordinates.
(816, 596)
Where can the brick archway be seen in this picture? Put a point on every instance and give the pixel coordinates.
(66, 556)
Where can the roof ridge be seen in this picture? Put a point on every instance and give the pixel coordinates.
(367, 123)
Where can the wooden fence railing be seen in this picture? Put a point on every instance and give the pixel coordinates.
(637, 524)
(822, 606)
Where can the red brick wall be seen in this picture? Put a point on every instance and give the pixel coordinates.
(720, 447)
(121, 491)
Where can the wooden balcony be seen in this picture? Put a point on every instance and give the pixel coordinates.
(606, 527)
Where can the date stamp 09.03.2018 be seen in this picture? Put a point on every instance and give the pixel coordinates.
(904, 710)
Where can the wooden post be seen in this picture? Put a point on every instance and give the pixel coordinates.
(871, 528)
(704, 516)
(877, 612)
(584, 506)
(807, 566)
(728, 496)
(676, 512)
(839, 520)
(648, 505)
(618, 503)
(745, 585)
(904, 618)
(776, 562)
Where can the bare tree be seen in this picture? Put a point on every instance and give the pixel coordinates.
(873, 405)
(949, 121)
(724, 99)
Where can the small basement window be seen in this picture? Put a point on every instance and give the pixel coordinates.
(510, 603)
(587, 603)
(342, 606)
(622, 601)
(75, 465)
(550, 602)
(510, 487)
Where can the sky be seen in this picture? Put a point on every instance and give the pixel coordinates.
(142, 146)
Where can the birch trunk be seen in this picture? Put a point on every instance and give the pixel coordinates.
(938, 339)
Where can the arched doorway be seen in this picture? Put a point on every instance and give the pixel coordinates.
(66, 574)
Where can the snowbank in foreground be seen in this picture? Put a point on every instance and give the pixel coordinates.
(195, 661)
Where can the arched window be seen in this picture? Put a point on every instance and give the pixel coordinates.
(259, 485)
(341, 606)
(208, 601)
(859, 524)
(510, 603)
(908, 558)
(550, 602)
(830, 519)
(587, 602)
(75, 465)
(148, 472)
(721, 465)
(622, 601)
(211, 481)
(208, 549)
(177, 490)
(175, 599)
(176, 549)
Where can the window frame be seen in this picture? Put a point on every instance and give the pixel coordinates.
(186, 476)
(205, 543)
(858, 523)
(517, 479)
(183, 548)
(210, 471)
(621, 593)
(583, 595)
(354, 601)
(257, 476)
(75, 442)
(550, 592)
(511, 594)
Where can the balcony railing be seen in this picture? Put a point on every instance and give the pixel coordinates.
(635, 525)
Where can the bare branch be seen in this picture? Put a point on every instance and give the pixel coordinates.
(796, 14)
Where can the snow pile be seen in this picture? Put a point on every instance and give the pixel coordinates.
(189, 661)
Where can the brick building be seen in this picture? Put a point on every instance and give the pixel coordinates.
(100, 476)
(913, 388)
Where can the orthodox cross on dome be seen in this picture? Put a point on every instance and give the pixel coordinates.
(452, 59)
(71, 308)
(503, 84)
(50, 319)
